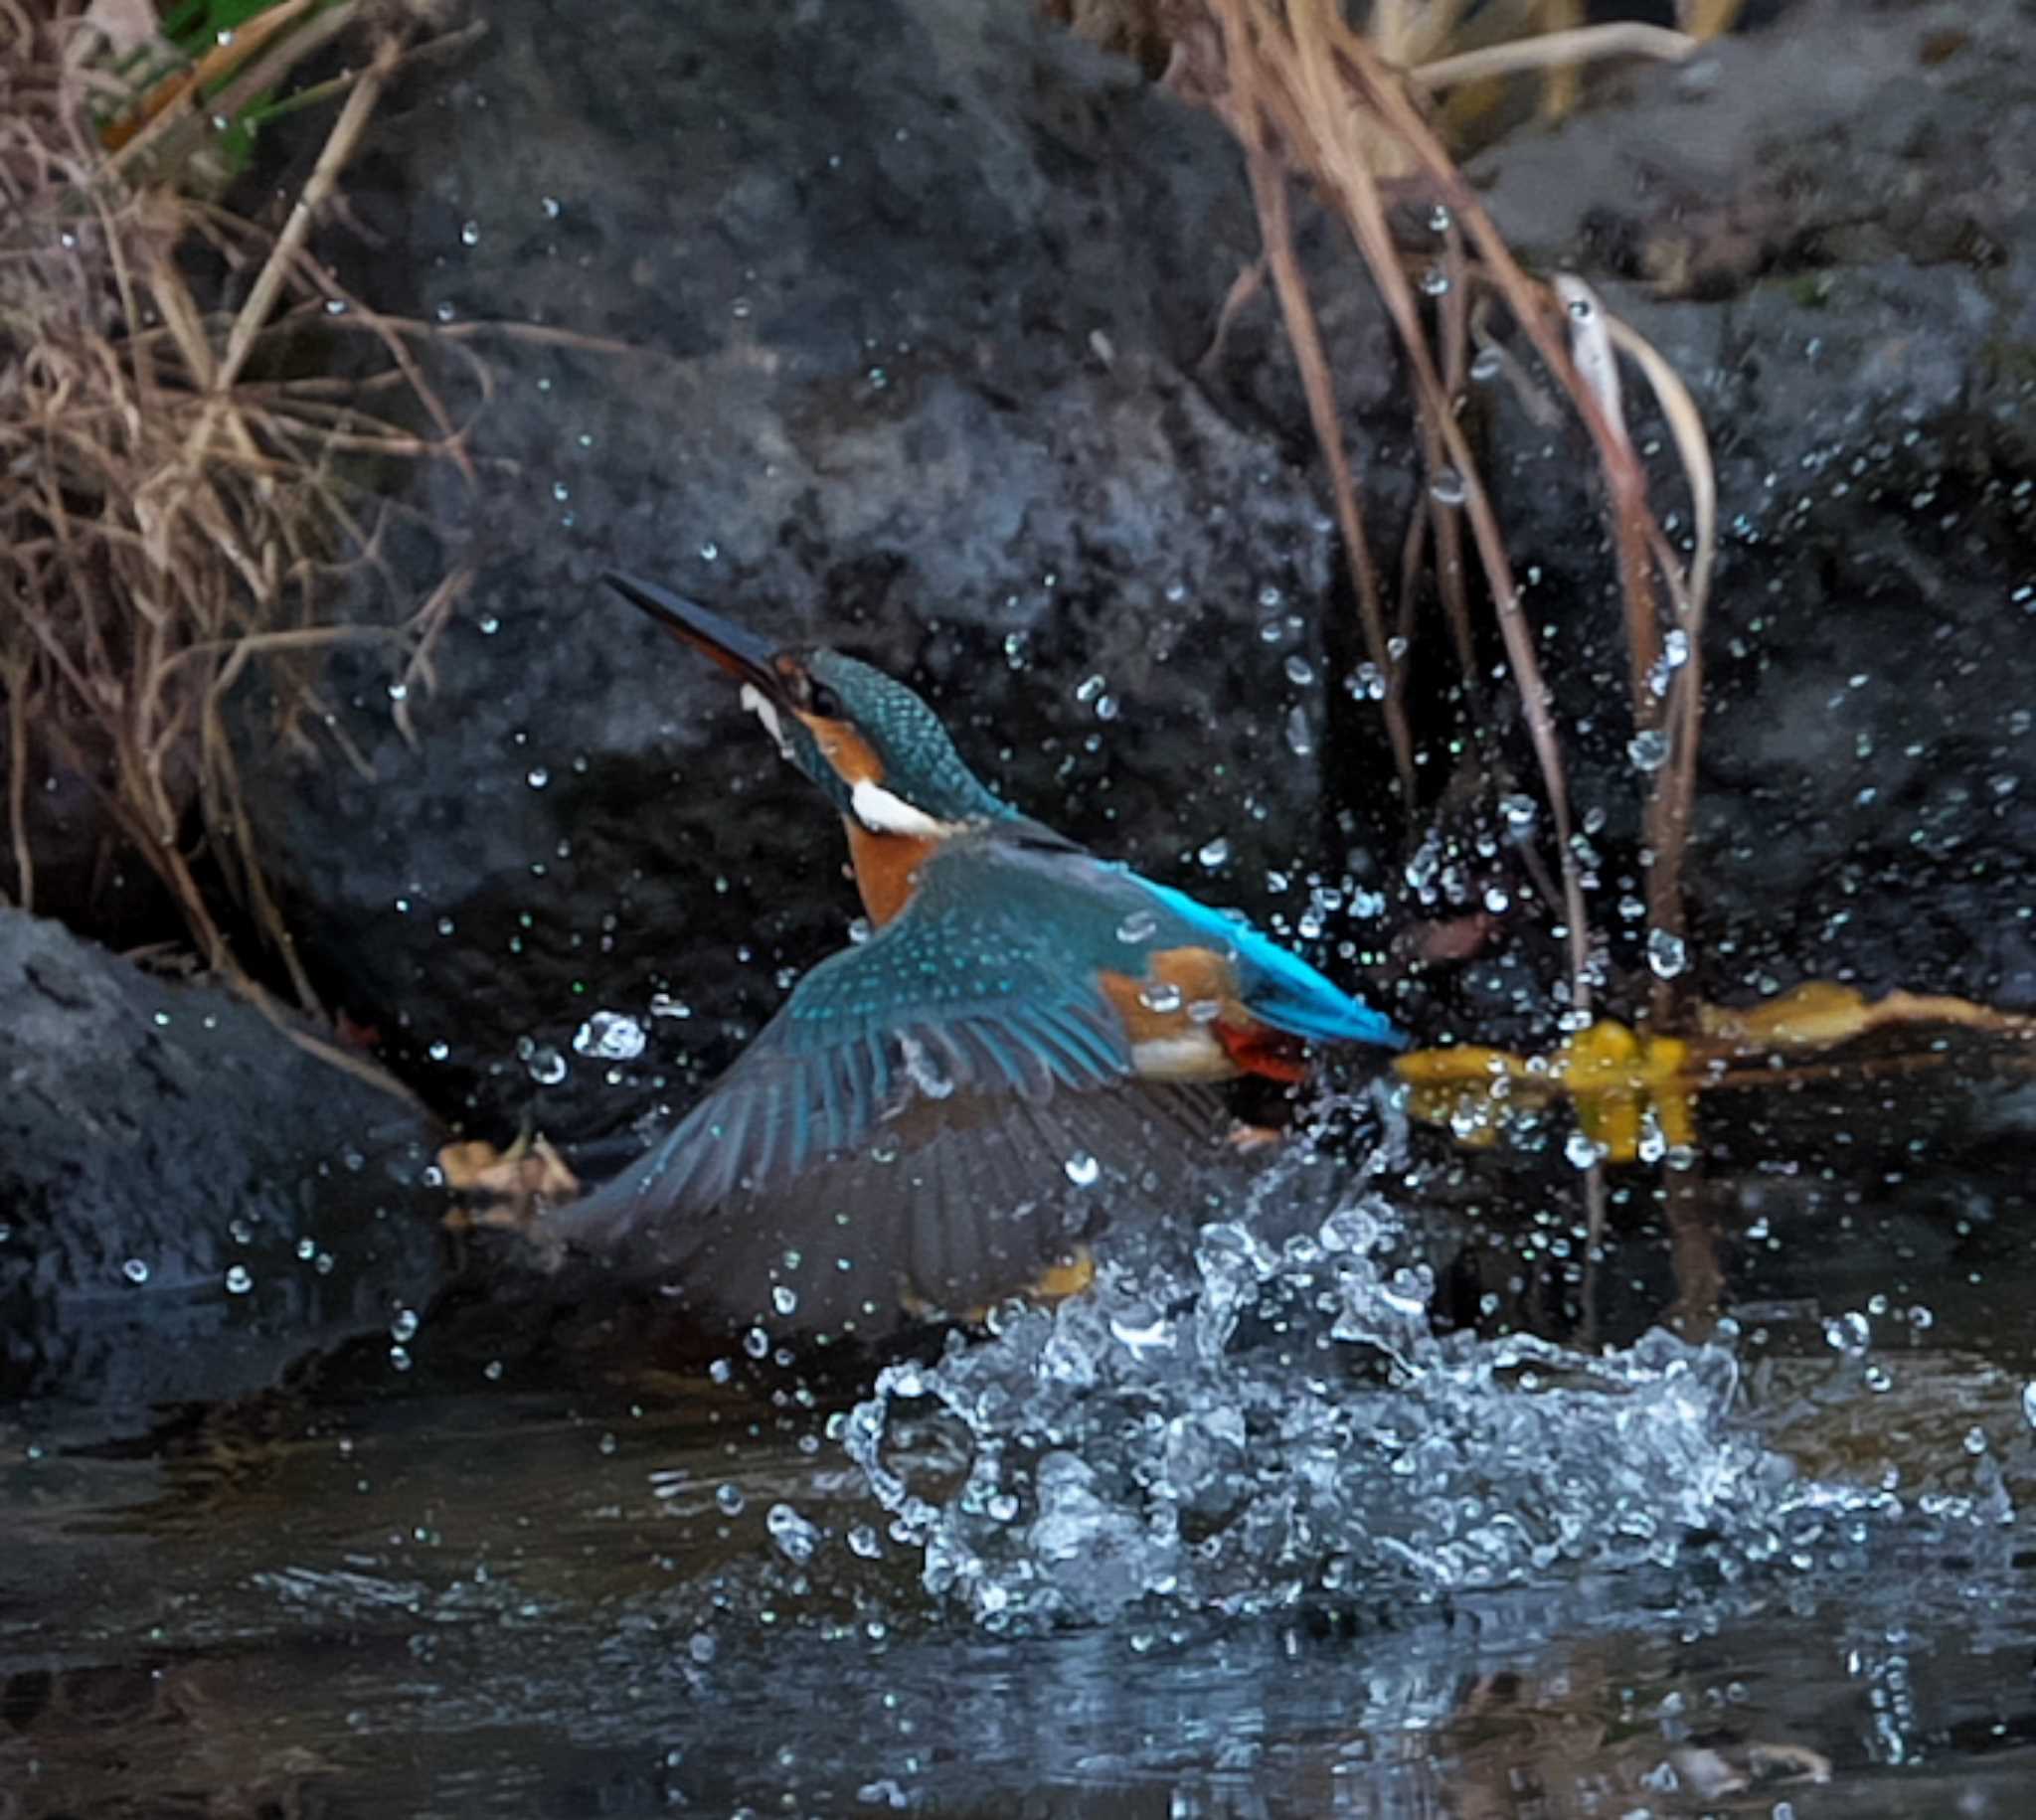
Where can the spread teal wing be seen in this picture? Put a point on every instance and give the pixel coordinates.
(932, 1117)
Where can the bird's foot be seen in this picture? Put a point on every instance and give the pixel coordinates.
(1248, 1139)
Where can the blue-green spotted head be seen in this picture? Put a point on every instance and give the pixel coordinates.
(879, 752)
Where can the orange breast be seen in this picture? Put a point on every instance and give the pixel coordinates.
(886, 867)
(1169, 1041)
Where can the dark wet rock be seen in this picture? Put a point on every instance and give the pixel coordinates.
(916, 287)
(1825, 230)
(188, 1200)
(918, 293)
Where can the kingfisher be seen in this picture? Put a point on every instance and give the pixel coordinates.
(1029, 1037)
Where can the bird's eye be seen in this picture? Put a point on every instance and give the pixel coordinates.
(822, 700)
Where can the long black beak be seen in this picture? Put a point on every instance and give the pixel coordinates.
(740, 653)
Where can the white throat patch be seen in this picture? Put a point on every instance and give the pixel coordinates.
(758, 703)
(884, 813)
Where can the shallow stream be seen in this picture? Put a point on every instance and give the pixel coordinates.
(1258, 1527)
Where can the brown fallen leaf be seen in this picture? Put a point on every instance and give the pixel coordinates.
(507, 1185)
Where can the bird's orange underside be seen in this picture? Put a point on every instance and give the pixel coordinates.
(1201, 977)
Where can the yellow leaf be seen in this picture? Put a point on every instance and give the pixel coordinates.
(1615, 1077)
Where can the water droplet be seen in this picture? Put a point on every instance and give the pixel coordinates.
(1667, 953)
(784, 1299)
(239, 1282)
(2029, 1402)
(1162, 996)
(545, 1064)
(550, 205)
(797, 1539)
(1519, 812)
(1216, 852)
(1139, 926)
(729, 1499)
(1083, 1169)
(1301, 735)
(1486, 366)
(610, 1036)
(1088, 689)
(537, 777)
(1440, 219)
(404, 1326)
(1367, 683)
(1581, 309)
(470, 234)
(1583, 1151)
(135, 1270)
(1434, 283)
(1648, 751)
(1448, 488)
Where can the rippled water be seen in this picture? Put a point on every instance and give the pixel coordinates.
(1253, 1528)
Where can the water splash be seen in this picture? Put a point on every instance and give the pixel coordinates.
(1252, 1424)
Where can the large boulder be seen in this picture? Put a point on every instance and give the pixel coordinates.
(188, 1200)
(917, 294)
(913, 288)
(1839, 267)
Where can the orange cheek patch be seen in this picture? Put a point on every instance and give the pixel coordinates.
(853, 758)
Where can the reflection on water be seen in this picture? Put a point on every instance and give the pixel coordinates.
(1243, 1533)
